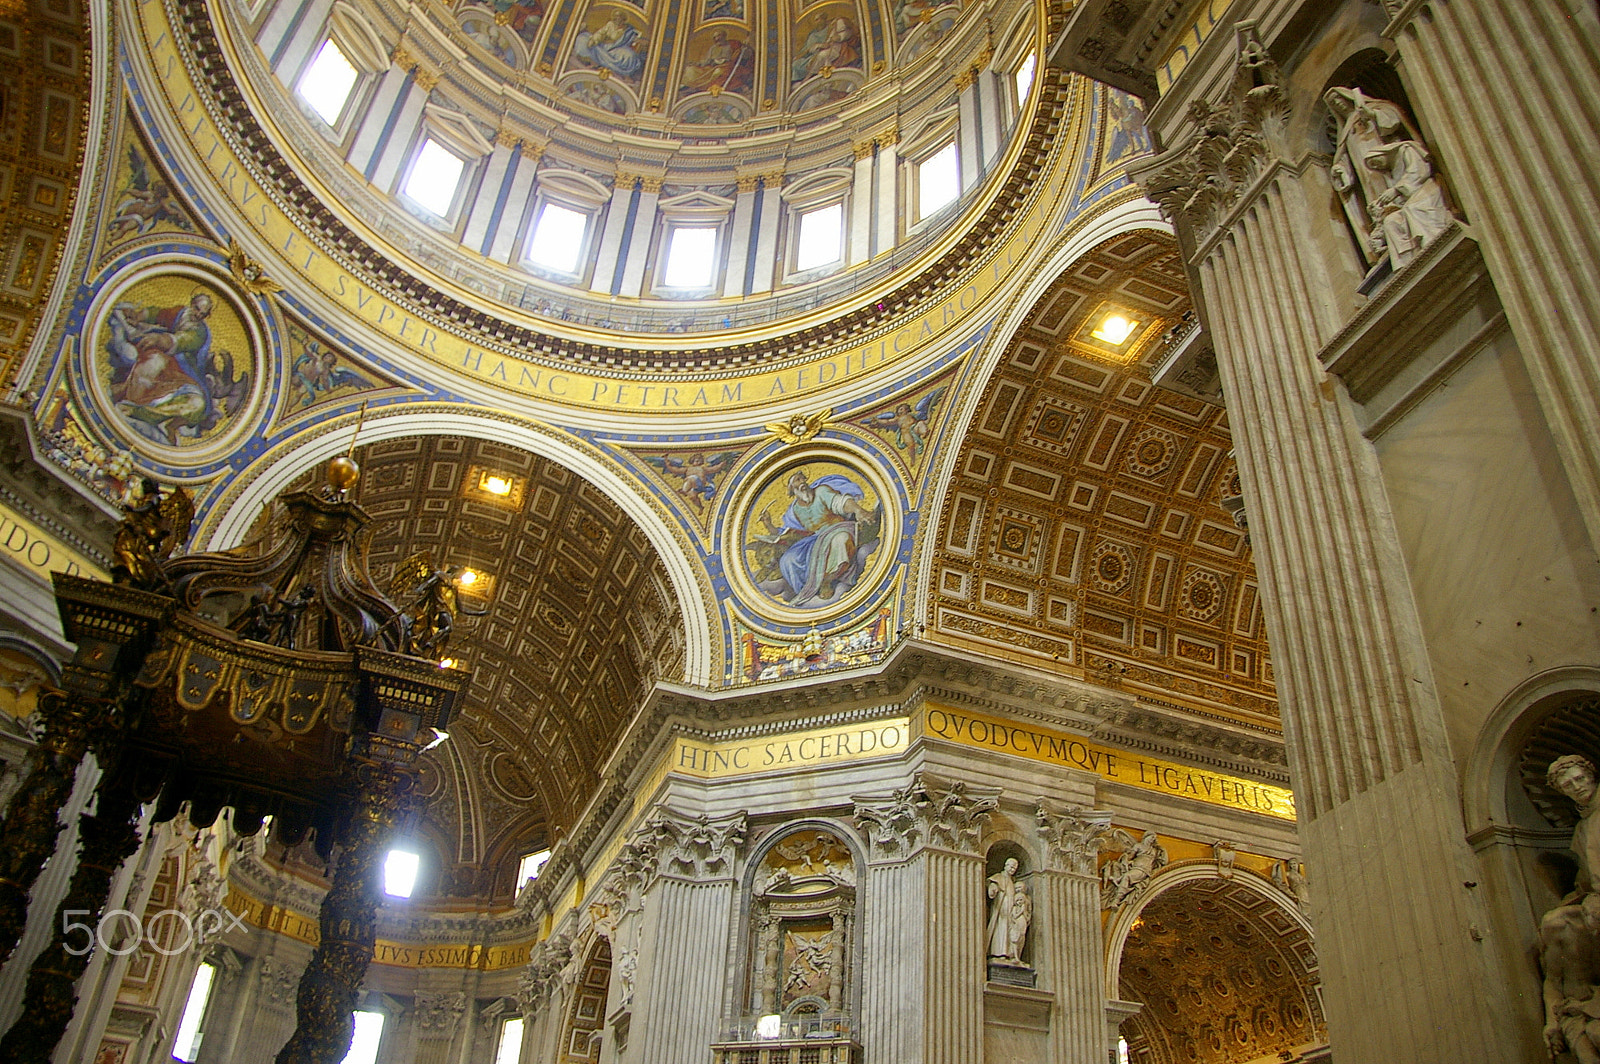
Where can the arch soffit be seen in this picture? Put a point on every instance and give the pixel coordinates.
(229, 521)
(1165, 881)
(1126, 217)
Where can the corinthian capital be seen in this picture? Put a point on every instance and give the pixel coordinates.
(542, 975)
(1073, 837)
(698, 846)
(926, 813)
(438, 1014)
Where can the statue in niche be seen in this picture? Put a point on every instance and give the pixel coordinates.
(1569, 934)
(1385, 178)
(1010, 912)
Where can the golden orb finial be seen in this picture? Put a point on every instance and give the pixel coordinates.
(343, 472)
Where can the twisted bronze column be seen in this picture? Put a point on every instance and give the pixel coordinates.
(326, 999)
(109, 836)
(32, 824)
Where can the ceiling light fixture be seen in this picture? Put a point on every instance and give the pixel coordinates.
(467, 578)
(1115, 329)
(447, 663)
(495, 484)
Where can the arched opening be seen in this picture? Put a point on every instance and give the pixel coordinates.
(1226, 974)
(1083, 528)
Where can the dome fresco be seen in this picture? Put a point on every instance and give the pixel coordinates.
(704, 62)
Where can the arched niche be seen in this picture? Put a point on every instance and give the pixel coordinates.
(802, 955)
(1520, 826)
(1225, 970)
(1009, 906)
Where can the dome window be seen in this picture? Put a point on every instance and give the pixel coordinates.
(557, 241)
(368, 1036)
(821, 240)
(691, 257)
(938, 181)
(532, 864)
(510, 1050)
(327, 83)
(435, 176)
(187, 1044)
(400, 873)
(1024, 79)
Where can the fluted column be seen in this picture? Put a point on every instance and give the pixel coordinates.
(953, 958)
(923, 964)
(1365, 730)
(1068, 943)
(681, 966)
(892, 914)
(1519, 147)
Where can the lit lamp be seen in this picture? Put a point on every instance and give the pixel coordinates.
(1115, 329)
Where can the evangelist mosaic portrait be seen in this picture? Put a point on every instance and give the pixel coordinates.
(174, 360)
(811, 534)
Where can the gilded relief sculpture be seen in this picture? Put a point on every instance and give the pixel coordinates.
(1569, 934)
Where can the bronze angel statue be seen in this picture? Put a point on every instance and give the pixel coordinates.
(151, 530)
(428, 602)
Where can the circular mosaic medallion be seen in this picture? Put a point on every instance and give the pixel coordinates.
(814, 538)
(176, 363)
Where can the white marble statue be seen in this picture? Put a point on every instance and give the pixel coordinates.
(1384, 176)
(1569, 934)
(1124, 876)
(1010, 912)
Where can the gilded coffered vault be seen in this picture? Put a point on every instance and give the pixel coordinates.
(1087, 506)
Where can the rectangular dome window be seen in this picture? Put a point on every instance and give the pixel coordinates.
(187, 1045)
(434, 177)
(400, 873)
(558, 238)
(938, 181)
(510, 1041)
(691, 258)
(327, 82)
(1024, 79)
(821, 237)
